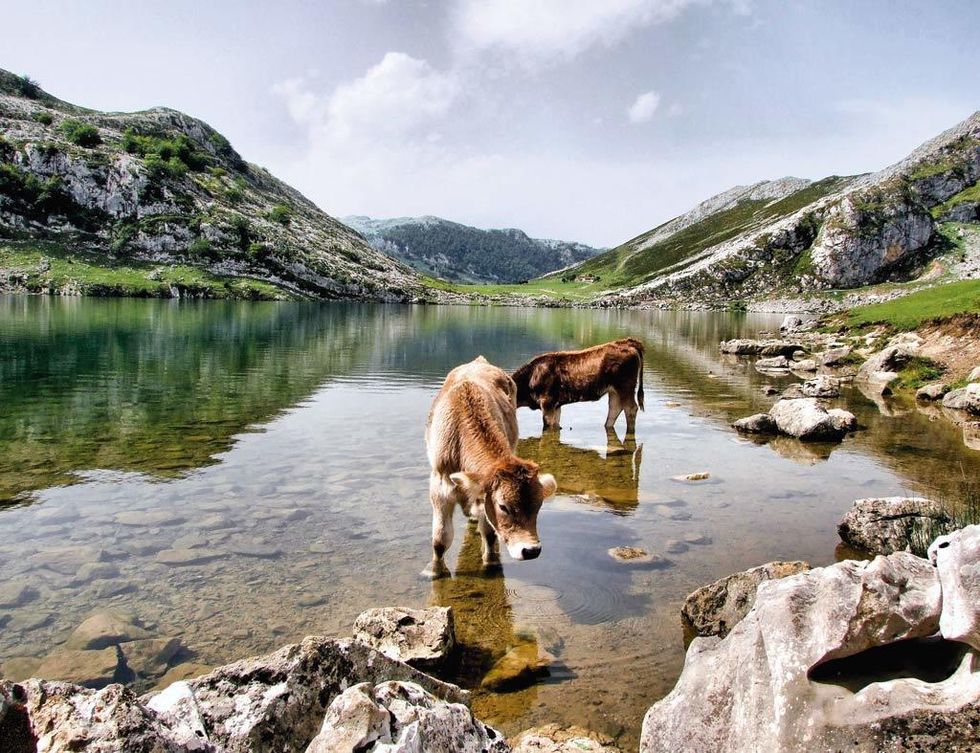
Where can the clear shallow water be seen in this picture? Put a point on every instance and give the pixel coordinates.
(279, 448)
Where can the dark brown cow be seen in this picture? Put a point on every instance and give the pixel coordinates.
(470, 440)
(552, 380)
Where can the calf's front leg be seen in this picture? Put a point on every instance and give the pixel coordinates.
(443, 496)
(552, 416)
(491, 554)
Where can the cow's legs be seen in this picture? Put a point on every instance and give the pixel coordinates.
(443, 496)
(491, 554)
(552, 416)
(615, 408)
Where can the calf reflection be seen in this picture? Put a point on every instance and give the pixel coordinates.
(611, 478)
(492, 654)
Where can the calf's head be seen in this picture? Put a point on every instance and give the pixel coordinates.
(511, 496)
(522, 379)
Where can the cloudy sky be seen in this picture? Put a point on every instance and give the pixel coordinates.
(588, 120)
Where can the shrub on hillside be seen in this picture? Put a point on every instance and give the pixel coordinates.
(77, 132)
(44, 118)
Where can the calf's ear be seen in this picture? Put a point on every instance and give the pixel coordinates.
(466, 483)
(548, 484)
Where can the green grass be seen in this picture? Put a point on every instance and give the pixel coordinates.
(547, 287)
(917, 373)
(968, 194)
(96, 274)
(911, 311)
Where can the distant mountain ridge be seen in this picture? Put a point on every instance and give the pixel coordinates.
(462, 253)
(790, 235)
(159, 190)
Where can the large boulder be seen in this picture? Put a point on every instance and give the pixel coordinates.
(753, 690)
(423, 638)
(882, 525)
(957, 560)
(275, 703)
(65, 718)
(718, 607)
(807, 420)
(768, 348)
(964, 399)
(401, 717)
(93, 669)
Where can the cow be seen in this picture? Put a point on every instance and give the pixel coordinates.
(470, 439)
(551, 380)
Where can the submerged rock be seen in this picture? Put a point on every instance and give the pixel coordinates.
(401, 717)
(882, 525)
(553, 738)
(91, 669)
(107, 627)
(423, 638)
(718, 607)
(753, 690)
(521, 666)
(634, 554)
(150, 657)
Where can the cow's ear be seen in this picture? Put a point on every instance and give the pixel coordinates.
(548, 484)
(466, 483)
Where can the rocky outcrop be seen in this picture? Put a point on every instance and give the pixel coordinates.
(423, 638)
(767, 348)
(282, 697)
(866, 235)
(718, 607)
(882, 525)
(401, 717)
(778, 680)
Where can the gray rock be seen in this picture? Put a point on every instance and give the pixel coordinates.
(806, 364)
(276, 702)
(553, 738)
(964, 399)
(775, 363)
(974, 375)
(424, 638)
(882, 525)
(760, 423)
(957, 560)
(401, 717)
(822, 386)
(835, 356)
(107, 627)
(718, 607)
(791, 323)
(67, 718)
(933, 391)
(751, 691)
(793, 392)
(91, 669)
(807, 420)
(760, 347)
(184, 557)
(882, 368)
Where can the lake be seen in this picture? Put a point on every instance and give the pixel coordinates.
(241, 475)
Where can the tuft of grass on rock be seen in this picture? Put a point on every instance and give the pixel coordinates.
(961, 512)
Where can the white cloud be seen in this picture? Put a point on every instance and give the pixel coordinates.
(545, 30)
(394, 99)
(644, 107)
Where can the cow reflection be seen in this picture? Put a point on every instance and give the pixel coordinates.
(610, 477)
(489, 646)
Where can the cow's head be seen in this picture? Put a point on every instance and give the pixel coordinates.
(522, 378)
(511, 497)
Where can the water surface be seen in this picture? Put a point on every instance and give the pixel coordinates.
(281, 446)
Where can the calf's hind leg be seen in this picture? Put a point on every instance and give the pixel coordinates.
(628, 402)
(615, 408)
(444, 497)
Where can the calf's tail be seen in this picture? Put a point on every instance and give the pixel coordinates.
(639, 389)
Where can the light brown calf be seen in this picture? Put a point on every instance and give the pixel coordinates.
(470, 439)
(549, 381)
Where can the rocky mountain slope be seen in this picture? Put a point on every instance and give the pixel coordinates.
(462, 253)
(788, 236)
(105, 190)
